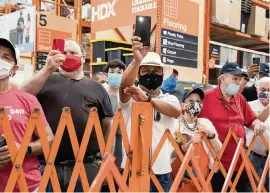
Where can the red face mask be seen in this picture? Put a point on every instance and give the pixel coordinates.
(71, 64)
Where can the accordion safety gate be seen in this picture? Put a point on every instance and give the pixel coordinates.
(137, 170)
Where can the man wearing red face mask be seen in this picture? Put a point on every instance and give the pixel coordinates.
(69, 88)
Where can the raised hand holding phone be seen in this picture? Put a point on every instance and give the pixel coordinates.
(143, 29)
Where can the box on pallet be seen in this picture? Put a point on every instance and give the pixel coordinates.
(256, 26)
(220, 12)
(235, 14)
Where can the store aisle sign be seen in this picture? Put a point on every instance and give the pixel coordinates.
(48, 29)
(20, 28)
(179, 32)
(110, 14)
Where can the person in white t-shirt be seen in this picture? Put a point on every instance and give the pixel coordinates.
(188, 132)
(150, 71)
(260, 107)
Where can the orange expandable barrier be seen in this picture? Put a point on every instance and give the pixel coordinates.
(137, 171)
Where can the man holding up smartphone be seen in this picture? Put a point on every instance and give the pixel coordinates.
(70, 88)
(149, 69)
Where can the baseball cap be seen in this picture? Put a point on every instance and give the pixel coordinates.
(264, 69)
(232, 68)
(195, 90)
(13, 48)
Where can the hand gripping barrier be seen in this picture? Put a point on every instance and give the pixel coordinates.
(139, 157)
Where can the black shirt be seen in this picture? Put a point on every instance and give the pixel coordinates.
(250, 93)
(80, 96)
(20, 20)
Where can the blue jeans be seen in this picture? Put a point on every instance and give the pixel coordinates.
(259, 163)
(27, 38)
(20, 37)
(165, 180)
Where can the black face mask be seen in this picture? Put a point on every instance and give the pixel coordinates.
(151, 81)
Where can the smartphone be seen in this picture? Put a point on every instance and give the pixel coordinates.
(143, 29)
(257, 61)
(3, 142)
(59, 44)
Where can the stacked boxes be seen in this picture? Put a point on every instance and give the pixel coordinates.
(240, 15)
(86, 37)
(256, 23)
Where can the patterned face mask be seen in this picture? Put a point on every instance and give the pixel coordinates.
(193, 108)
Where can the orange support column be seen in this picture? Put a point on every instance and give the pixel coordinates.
(141, 142)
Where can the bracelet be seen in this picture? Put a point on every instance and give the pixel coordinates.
(212, 137)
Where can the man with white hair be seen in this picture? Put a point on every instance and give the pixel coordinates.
(149, 69)
(259, 153)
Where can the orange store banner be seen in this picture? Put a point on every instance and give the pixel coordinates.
(50, 27)
(110, 14)
(181, 16)
(45, 38)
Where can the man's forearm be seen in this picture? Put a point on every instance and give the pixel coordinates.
(264, 114)
(166, 108)
(130, 74)
(36, 145)
(34, 85)
(106, 127)
(243, 84)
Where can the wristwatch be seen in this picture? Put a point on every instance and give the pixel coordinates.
(29, 150)
(149, 97)
(212, 137)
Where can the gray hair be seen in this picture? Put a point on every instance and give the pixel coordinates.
(263, 80)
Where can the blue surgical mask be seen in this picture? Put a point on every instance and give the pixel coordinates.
(232, 89)
(114, 80)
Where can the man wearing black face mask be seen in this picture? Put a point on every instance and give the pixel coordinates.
(150, 72)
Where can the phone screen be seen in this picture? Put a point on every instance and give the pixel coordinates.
(256, 61)
(143, 29)
(3, 142)
(59, 44)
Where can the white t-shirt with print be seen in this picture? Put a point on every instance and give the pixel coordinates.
(258, 147)
(162, 164)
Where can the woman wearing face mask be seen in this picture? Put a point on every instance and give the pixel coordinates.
(189, 132)
(227, 109)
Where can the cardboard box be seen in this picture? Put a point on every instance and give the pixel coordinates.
(235, 14)
(256, 26)
(220, 12)
(267, 28)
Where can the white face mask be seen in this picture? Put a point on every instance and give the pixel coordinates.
(5, 69)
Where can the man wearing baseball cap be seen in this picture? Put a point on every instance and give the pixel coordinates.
(18, 106)
(150, 71)
(227, 109)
